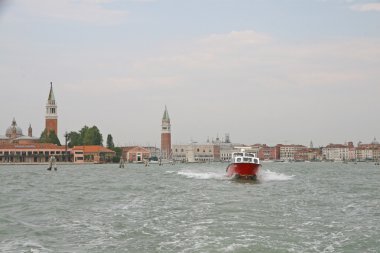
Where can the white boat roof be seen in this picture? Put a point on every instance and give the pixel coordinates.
(244, 154)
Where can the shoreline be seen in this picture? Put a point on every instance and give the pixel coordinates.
(66, 163)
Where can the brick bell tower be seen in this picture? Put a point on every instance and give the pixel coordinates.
(166, 142)
(51, 118)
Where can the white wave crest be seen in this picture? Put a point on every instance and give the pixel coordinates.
(201, 175)
(267, 175)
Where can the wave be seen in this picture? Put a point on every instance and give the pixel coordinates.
(263, 176)
(267, 175)
(201, 175)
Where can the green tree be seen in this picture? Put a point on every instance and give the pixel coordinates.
(85, 136)
(110, 143)
(74, 139)
(92, 136)
(118, 151)
(82, 133)
(50, 137)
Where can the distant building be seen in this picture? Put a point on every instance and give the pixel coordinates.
(267, 153)
(92, 154)
(166, 148)
(308, 154)
(154, 152)
(226, 148)
(365, 152)
(287, 152)
(51, 118)
(135, 154)
(31, 153)
(376, 154)
(196, 152)
(14, 134)
(339, 152)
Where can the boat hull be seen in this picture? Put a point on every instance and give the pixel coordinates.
(243, 170)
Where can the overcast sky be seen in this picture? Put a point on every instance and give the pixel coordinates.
(264, 71)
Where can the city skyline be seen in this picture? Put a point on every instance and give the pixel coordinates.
(264, 72)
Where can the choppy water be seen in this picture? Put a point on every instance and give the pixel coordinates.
(295, 207)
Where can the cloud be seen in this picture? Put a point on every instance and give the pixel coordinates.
(246, 58)
(249, 57)
(299, 84)
(84, 11)
(237, 38)
(122, 85)
(366, 7)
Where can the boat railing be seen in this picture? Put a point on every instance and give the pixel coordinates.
(240, 154)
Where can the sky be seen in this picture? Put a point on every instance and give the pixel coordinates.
(264, 71)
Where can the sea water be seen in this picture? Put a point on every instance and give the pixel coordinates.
(293, 207)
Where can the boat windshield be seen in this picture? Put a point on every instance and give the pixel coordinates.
(242, 157)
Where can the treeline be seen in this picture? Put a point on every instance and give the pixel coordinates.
(85, 136)
(49, 137)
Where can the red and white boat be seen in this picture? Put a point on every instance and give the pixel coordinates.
(244, 165)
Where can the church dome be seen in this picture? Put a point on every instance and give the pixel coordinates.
(13, 129)
(3, 137)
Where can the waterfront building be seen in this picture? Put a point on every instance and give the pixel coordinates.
(31, 153)
(166, 146)
(14, 134)
(287, 152)
(3, 139)
(376, 154)
(226, 150)
(135, 154)
(266, 153)
(365, 152)
(195, 152)
(339, 152)
(51, 117)
(154, 152)
(92, 154)
(226, 147)
(308, 154)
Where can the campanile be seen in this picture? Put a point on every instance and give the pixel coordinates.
(166, 144)
(51, 118)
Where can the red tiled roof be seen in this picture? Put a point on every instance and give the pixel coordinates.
(135, 149)
(31, 146)
(93, 149)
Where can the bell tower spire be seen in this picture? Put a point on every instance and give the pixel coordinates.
(166, 145)
(51, 118)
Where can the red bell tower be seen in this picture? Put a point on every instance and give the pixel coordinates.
(166, 139)
(51, 118)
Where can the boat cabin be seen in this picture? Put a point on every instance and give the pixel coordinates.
(243, 157)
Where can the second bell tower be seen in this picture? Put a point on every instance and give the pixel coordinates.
(51, 118)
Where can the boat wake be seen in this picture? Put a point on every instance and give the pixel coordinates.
(263, 175)
(201, 175)
(267, 175)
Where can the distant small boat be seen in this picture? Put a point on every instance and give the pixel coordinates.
(244, 165)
